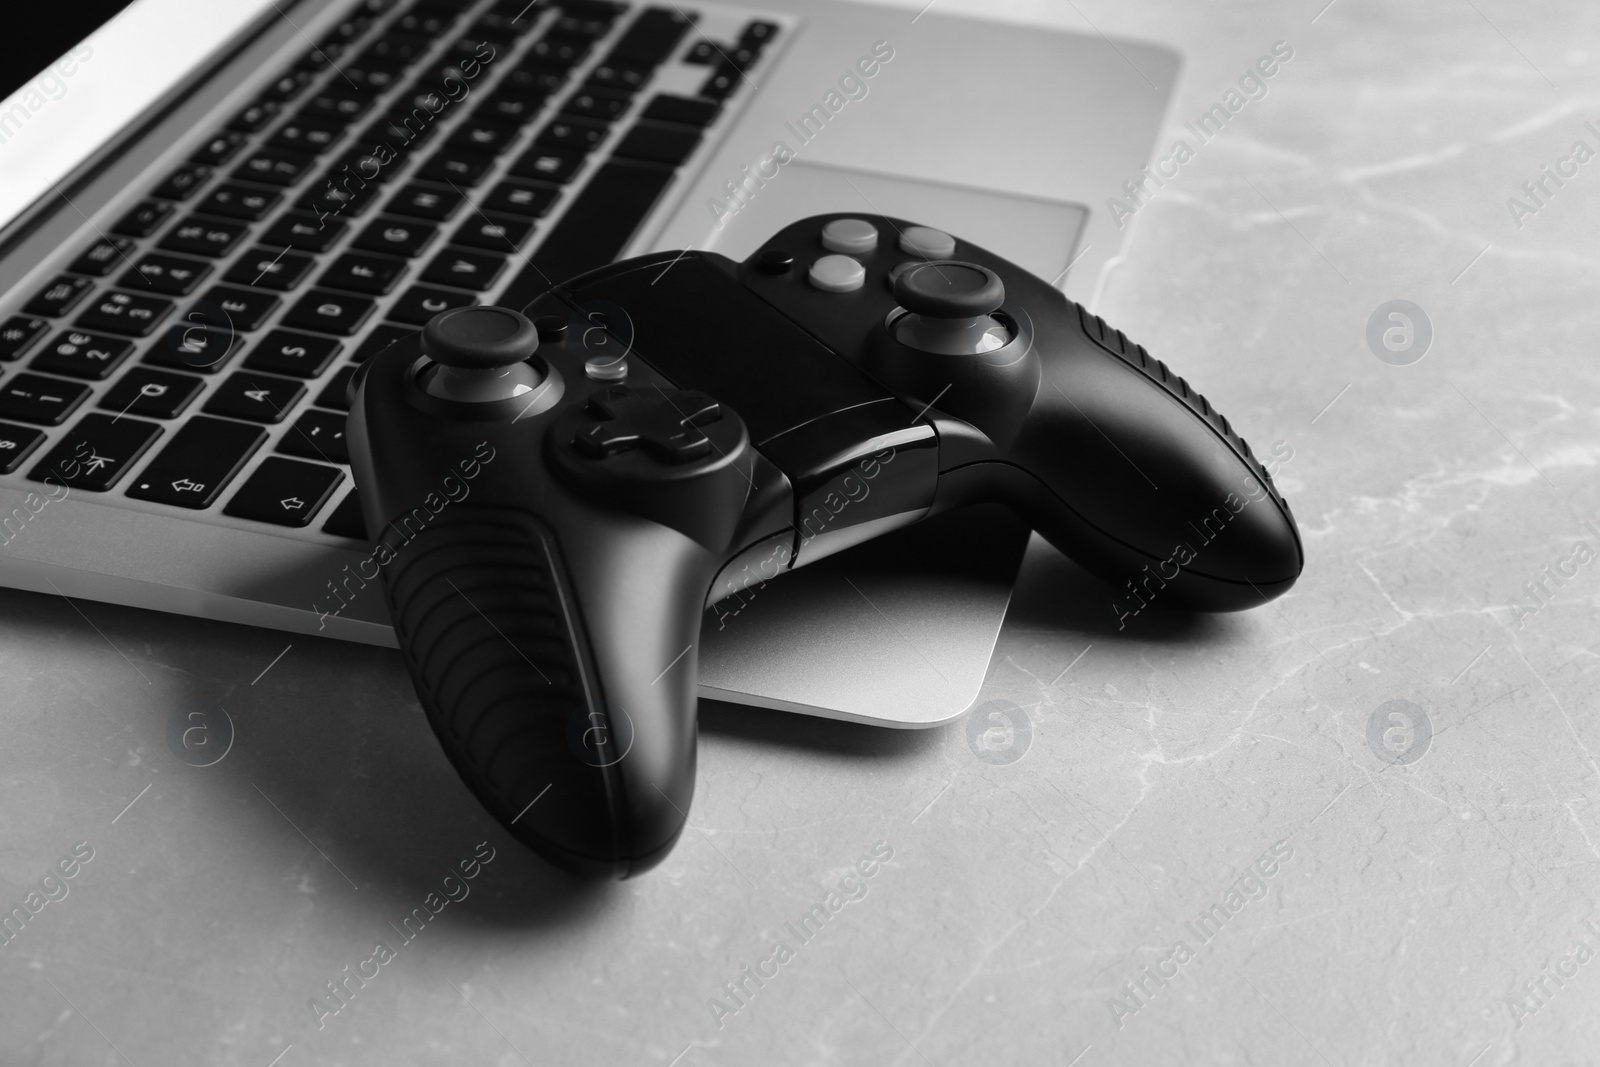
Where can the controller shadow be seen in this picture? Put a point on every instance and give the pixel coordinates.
(329, 771)
(1054, 593)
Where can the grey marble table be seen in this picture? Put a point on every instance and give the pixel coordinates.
(1358, 826)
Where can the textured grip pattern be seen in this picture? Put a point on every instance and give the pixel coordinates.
(1134, 355)
(494, 645)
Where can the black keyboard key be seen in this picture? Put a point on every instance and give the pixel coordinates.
(722, 83)
(397, 50)
(369, 164)
(145, 219)
(399, 237)
(129, 313)
(624, 77)
(37, 399)
(289, 85)
(507, 105)
(595, 229)
(161, 273)
(497, 233)
(456, 166)
(103, 257)
(521, 198)
(204, 237)
(424, 202)
(82, 355)
(339, 103)
(60, 296)
(346, 520)
(285, 492)
(478, 135)
(252, 119)
(426, 20)
(685, 110)
(379, 339)
(194, 347)
(401, 132)
(154, 394)
(370, 78)
(18, 442)
(703, 54)
(335, 393)
(556, 51)
(534, 81)
(464, 270)
(317, 435)
(420, 303)
(304, 232)
(329, 312)
(576, 135)
(230, 308)
(235, 201)
(183, 183)
(303, 355)
(255, 397)
(658, 142)
(19, 334)
(265, 269)
(363, 272)
(96, 453)
(652, 37)
(601, 105)
(548, 164)
(332, 198)
(275, 166)
(308, 133)
(224, 146)
(202, 458)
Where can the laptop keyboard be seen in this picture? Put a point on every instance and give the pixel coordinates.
(423, 156)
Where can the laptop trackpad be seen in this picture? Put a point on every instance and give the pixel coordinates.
(1038, 235)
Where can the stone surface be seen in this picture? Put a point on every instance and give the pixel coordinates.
(1162, 761)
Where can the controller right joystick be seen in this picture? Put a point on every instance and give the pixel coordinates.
(949, 308)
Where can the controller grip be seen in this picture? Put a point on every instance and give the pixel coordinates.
(491, 630)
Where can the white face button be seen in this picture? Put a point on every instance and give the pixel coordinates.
(838, 274)
(927, 243)
(854, 236)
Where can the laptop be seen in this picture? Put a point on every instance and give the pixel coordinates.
(210, 215)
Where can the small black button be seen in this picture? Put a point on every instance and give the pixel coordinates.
(285, 492)
(229, 308)
(255, 397)
(521, 198)
(83, 355)
(143, 220)
(317, 435)
(127, 313)
(420, 303)
(16, 444)
(204, 237)
(103, 257)
(236, 201)
(304, 232)
(59, 296)
(202, 458)
(161, 273)
(37, 399)
(152, 393)
(19, 333)
(775, 261)
(265, 269)
(181, 183)
(397, 237)
(303, 355)
(194, 347)
(329, 312)
(550, 327)
(96, 452)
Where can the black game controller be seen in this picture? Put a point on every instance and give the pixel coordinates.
(563, 491)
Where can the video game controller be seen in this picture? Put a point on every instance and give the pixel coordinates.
(563, 491)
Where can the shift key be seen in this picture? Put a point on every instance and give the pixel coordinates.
(198, 463)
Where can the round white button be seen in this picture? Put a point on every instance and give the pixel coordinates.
(927, 243)
(850, 235)
(838, 274)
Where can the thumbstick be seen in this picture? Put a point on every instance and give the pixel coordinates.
(949, 308)
(481, 354)
(949, 289)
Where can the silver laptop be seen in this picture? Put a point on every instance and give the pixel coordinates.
(213, 212)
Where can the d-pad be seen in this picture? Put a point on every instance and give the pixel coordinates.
(664, 422)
